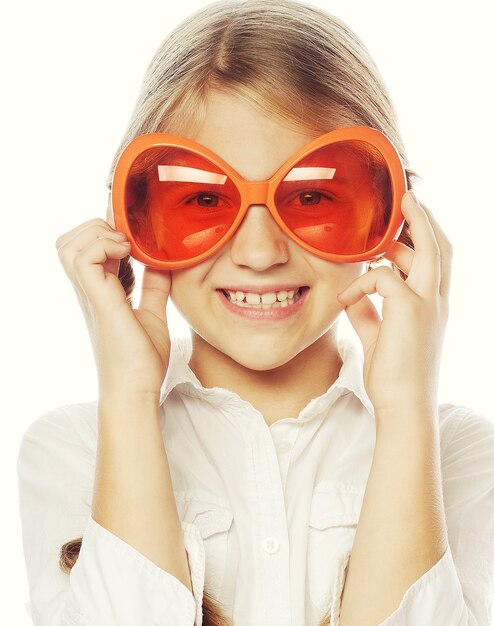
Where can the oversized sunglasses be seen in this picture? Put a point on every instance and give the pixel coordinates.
(338, 197)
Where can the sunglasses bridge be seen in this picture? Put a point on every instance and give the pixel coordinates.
(255, 192)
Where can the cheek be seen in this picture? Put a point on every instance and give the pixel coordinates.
(179, 293)
(187, 293)
(333, 278)
(347, 277)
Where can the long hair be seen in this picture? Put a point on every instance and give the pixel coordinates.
(296, 62)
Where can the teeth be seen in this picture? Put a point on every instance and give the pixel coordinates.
(270, 298)
(252, 298)
(282, 295)
(263, 305)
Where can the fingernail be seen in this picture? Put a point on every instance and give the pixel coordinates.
(413, 196)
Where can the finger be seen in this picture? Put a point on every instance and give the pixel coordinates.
(70, 234)
(400, 255)
(84, 233)
(155, 290)
(424, 276)
(366, 321)
(82, 236)
(102, 287)
(381, 280)
(446, 249)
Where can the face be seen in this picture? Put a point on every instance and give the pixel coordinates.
(258, 255)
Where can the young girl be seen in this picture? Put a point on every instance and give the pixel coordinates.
(264, 473)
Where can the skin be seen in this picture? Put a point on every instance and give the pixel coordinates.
(260, 361)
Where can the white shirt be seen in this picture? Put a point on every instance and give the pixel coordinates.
(269, 513)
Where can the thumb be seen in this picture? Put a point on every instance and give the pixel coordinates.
(365, 319)
(155, 291)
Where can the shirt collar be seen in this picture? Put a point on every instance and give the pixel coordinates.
(179, 375)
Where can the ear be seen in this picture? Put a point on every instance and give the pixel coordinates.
(109, 212)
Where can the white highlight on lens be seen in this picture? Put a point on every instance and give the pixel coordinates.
(203, 237)
(315, 230)
(189, 175)
(310, 173)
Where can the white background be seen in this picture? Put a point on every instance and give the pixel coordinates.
(71, 74)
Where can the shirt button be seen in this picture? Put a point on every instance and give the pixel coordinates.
(270, 545)
(283, 446)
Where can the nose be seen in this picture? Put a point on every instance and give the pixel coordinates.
(259, 242)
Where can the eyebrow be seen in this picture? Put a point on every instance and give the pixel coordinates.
(189, 174)
(310, 173)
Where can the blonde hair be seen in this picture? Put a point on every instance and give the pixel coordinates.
(293, 60)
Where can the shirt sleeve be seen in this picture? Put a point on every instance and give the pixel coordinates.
(111, 582)
(459, 589)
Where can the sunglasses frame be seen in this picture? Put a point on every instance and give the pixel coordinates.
(260, 192)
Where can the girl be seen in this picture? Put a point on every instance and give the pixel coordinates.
(264, 472)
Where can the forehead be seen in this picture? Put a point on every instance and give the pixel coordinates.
(254, 144)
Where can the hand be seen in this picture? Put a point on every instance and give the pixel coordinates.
(131, 346)
(402, 352)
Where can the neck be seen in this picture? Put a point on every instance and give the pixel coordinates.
(277, 393)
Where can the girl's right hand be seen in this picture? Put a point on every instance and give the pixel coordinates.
(131, 346)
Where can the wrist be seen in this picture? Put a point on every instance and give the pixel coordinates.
(128, 404)
(407, 421)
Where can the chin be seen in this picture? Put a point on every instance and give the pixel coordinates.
(255, 363)
(269, 361)
(258, 354)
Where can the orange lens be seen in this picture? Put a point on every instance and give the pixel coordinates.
(179, 204)
(338, 198)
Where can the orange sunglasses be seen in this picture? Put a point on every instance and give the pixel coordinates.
(338, 197)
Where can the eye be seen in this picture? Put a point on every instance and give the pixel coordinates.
(204, 199)
(310, 197)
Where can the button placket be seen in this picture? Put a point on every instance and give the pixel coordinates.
(283, 446)
(271, 530)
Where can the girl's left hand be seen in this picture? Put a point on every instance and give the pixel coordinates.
(402, 351)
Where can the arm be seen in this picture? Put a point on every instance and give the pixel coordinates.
(133, 493)
(402, 530)
(401, 369)
(111, 582)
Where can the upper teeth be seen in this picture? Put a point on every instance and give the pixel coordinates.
(257, 298)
